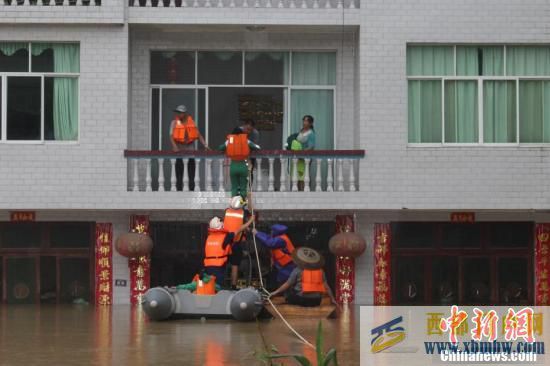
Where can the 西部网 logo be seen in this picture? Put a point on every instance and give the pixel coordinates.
(387, 335)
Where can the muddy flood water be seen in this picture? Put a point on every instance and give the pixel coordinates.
(120, 335)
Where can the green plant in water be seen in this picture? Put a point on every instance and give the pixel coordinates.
(323, 359)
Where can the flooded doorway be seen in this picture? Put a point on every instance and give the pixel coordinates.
(43, 262)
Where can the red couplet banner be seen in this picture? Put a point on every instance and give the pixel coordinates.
(382, 264)
(103, 263)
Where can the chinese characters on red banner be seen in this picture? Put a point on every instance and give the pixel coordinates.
(542, 265)
(382, 264)
(22, 216)
(103, 264)
(345, 266)
(140, 266)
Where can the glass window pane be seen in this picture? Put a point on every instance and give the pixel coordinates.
(61, 109)
(14, 56)
(21, 280)
(457, 235)
(155, 105)
(413, 234)
(320, 105)
(266, 68)
(445, 281)
(424, 111)
(528, 60)
(220, 68)
(534, 115)
(172, 67)
(430, 60)
(499, 111)
(21, 235)
(409, 287)
(314, 68)
(56, 57)
(24, 99)
(511, 234)
(42, 61)
(461, 114)
(512, 279)
(477, 281)
(75, 279)
(479, 60)
(70, 235)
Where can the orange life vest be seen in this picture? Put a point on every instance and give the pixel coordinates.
(233, 220)
(237, 147)
(280, 256)
(205, 288)
(312, 281)
(185, 132)
(214, 253)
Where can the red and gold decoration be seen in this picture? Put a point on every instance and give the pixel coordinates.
(463, 217)
(382, 264)
(22, 216)
(140, 267)
(345, 263)
(542, 265)
(103, 264)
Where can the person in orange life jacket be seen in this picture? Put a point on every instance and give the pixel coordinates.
(218, 247)
(281, 250)
(237, 147)
(183, 134)
(305, 287)
(235, 216)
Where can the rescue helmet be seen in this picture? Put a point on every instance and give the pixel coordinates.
(215, 223)
(237, 202)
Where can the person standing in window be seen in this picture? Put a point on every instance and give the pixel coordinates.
(183, 134)
(305, 140)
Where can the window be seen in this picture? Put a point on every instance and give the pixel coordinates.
(274, 88)
(478, 94)
(446, 263)
(39, 91)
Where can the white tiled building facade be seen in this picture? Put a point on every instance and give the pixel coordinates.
(90, 179)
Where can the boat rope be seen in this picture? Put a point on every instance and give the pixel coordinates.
(262, 288)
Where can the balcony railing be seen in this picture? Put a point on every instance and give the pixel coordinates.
(303, 4)
(50, 2)
(324, 170)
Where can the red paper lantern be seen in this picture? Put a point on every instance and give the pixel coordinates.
(134, 245)
(347, 244)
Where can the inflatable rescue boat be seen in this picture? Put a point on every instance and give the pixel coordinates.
(160, 303)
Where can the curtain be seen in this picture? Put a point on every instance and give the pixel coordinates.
(430, 60)
(314, 68)
(424, 111)
(534, 111)
(499, 111)
(474, 61)
(319, 104)
(9, 48)
(461, 114)
(528, 60)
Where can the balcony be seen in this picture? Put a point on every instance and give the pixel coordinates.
(249, 12)
(62, 11)
(325, 171)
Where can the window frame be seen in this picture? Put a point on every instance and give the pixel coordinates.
(4, 77)
(288, 87)
(480, 102)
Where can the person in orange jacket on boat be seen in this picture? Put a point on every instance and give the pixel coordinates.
(217, 248)
(307, 283)
(281, 250)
